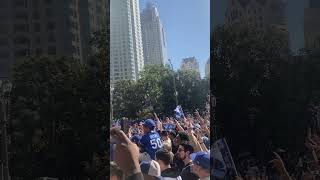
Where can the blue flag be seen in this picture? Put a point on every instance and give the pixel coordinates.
(178, 112)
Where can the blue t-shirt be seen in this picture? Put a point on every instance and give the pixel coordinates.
(150, 143)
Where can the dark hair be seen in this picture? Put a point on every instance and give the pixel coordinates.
(187, 147)
(115, 170)
(164, 155)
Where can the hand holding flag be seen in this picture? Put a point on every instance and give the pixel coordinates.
(178, 112)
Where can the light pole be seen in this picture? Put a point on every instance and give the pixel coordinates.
(174, 84)
(5, 89)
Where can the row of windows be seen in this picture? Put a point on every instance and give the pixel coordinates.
(24, 3)
(26, 52)
(51, 26)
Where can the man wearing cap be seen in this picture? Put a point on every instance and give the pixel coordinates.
(201, 165)
(150, 170)
(151, 140)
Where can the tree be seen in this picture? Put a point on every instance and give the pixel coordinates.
(59, 111)
(154, 92)
(261, 94)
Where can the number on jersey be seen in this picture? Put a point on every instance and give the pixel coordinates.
(156, 143)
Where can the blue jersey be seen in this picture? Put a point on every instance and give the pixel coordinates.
(150, 143)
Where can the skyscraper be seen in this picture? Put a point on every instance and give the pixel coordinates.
(190, 64)
(312, 25)
(258, 14)
(153, 36)
(207, 69)
(44, 28)
(126, 51)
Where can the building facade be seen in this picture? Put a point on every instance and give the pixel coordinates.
(258, 14)
(190, 64)
(207, 69)
(36, 28)
(153, 37)
(126, 50)
(312, 25)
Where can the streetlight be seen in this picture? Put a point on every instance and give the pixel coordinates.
(5, 89)
(174, 84)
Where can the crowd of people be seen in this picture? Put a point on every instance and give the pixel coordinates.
(180, 148)
(285, 165)
(168, 148)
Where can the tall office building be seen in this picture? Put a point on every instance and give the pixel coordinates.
(207, 69)
(312, 25)
(126, 51)
(153, 37)
(258, 14)
(44, 28)
(93, 18)
(190, 64)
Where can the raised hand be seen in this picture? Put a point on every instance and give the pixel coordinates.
(126, 153)
(279, 165)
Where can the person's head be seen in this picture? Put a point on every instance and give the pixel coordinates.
(164, 135)
(136, 139)
(167, 147)
(148, 125)
(172, 135)
(201, 164)
(115, 172)
(164, 158)
(167, 120)
(181, 138)
(184, 151)
(151, 170)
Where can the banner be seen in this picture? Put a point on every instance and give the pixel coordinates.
(221, 145)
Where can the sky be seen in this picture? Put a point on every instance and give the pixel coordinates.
(294, 13)
(187, 28)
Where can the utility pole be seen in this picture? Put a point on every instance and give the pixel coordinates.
(174, 84)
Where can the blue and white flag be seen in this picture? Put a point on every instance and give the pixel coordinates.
(178, 112)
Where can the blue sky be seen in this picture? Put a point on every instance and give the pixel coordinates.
(187, 28)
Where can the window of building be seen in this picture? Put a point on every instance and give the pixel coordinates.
(35, 15)
(37, 40)
(3, 41)
(51, 50)
(35, 3)
(48, 2)
(21, 28)
(4, 54)
(21, 15)
(36, 27)
(51, 37)
(21, 40)
(21, 52)
(49, 12)
(38, 52)
(51, 26)
(20, 3)
(3, 4)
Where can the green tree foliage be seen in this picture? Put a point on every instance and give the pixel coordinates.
(263, 93)
(59, 108)
(154, 91)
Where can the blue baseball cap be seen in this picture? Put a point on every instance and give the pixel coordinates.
(149, 123)
(201, 159)
(136, 139)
